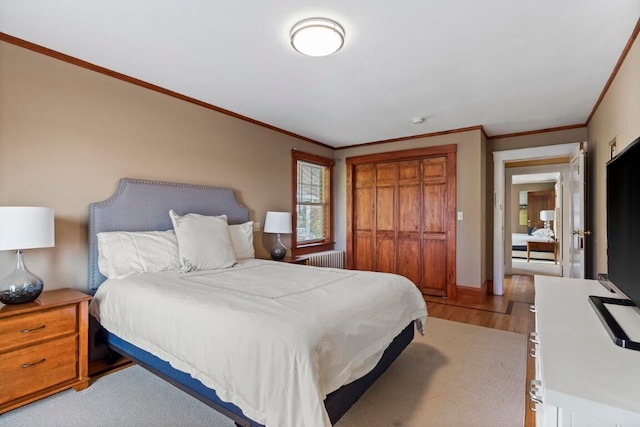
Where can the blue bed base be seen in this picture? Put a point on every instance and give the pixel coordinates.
(336, 403)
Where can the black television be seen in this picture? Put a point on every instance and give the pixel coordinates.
(623, 239)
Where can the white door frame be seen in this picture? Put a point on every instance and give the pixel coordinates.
(499, 160)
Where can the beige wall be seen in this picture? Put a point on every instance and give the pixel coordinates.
(617, 116)
(542, 139)
(470, 190)
(68, 134)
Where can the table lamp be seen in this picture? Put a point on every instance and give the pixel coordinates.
(23, 227)
(278, 222)
(547, 216)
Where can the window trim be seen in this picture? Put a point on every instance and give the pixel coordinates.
(316, 246)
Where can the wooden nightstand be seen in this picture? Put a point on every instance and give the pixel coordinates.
(295, 260)
(43, 347)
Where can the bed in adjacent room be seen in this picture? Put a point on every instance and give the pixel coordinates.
(263, 342)
(539, 245)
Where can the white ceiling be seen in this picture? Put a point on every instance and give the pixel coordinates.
(508, 65)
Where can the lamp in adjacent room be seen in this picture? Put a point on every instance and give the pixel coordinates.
(317, 37)
(278, 223)
(547, 217)
(24, 227)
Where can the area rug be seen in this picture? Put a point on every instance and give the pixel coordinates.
(546, 268)
(456, 375)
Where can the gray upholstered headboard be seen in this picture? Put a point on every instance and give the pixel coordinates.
(140, 205)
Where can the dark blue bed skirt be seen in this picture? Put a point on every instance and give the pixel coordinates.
(337, 403)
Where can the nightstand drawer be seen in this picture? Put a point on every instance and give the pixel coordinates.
(22, 329)
(35, 368)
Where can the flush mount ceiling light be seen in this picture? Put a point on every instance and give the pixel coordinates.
(317, 37)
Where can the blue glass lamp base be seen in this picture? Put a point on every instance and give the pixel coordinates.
(20, 286)
(278, 254)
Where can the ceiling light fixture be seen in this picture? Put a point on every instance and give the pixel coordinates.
(317, 37)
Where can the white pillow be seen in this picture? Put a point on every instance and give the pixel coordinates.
(543, 232)
(123, 253)
(242, 240)
(204, 242)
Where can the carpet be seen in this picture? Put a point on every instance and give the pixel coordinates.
(456, 375)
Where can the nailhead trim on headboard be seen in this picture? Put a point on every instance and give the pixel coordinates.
(143, 205)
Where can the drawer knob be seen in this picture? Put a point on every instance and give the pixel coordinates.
(28, 365)
(26, 331)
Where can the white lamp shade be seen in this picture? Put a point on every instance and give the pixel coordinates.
(26, 227)
(547, 215)
(277, 222)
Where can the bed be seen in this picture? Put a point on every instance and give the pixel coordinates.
(532, 246)
(331, 356)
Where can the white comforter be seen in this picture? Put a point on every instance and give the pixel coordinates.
(272, 338)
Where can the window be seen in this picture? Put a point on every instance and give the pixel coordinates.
(312, 203)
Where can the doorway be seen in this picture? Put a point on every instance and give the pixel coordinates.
(533, 192)
(502, 245)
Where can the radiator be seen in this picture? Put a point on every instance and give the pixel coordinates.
(334, 259)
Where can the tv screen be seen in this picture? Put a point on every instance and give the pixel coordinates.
(623, 221)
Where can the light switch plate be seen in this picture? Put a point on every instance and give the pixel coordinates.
(460, 216)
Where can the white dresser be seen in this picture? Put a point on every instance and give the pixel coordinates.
(582, 377)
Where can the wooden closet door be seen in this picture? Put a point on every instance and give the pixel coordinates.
(409, 224)
(434, 222)
(385, 217)
(401, 216)
(363, 217)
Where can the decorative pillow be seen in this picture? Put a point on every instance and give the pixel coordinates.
(123, 253)
(204, 242)
(531, 230)
(242, 240)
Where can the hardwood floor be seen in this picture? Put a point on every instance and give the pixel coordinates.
(509, 312)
